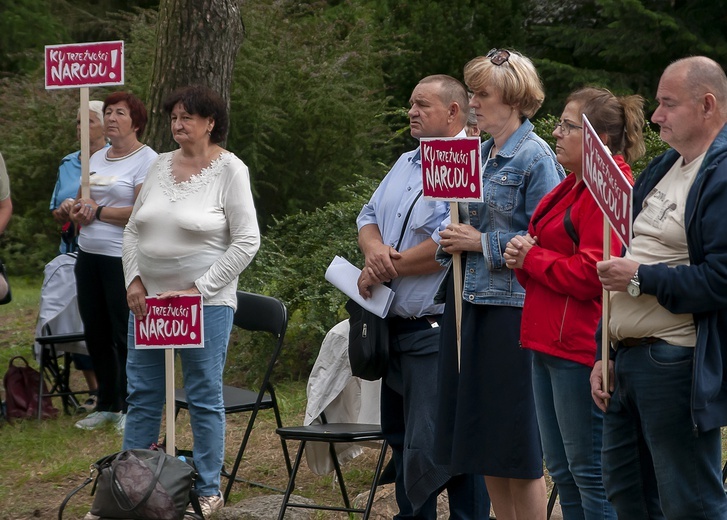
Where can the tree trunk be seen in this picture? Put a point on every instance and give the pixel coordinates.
(197, 43)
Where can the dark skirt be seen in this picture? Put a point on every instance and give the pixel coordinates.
(486, 422)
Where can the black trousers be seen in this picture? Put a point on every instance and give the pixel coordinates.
(105, 315)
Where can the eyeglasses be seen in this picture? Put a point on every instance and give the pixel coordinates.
(498, 56)
(566, 127)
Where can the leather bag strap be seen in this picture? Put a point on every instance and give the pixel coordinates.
(70, 495)
(406, 220)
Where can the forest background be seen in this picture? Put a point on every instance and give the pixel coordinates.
(318, 108)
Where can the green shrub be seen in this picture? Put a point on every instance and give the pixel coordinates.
(306, 124)
(291, 265)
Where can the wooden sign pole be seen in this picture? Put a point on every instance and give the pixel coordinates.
(85, 145)
(169, 377)
(457, 266)
(606, 310)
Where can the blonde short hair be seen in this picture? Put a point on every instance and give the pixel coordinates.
(516, 78)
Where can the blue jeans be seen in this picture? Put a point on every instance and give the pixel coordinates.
(655, 463)
(571, 426)
(202, 372)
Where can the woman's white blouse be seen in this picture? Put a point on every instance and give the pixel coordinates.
(202, 232)
(113, 184)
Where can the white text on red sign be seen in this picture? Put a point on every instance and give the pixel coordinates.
(84, 64)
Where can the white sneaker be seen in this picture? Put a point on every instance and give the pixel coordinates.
(208, 505)
(91, 516)
(96, 420)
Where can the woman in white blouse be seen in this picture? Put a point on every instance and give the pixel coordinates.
(193, 230)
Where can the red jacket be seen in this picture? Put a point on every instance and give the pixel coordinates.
(562, 291)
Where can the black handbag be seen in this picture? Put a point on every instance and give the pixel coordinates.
(368, 336)
(368, 343)
(141, 485)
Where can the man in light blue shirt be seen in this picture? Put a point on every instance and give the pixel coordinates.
(439, 108)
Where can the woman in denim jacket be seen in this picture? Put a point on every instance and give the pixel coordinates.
(486, 422)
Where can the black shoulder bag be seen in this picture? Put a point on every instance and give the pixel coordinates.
(368, 336)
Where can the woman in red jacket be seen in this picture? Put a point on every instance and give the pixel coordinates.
(556, 264)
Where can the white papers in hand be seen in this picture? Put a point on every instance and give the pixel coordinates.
(344, 275)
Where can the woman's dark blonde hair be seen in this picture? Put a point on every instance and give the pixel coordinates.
(516, 79)
(619, 119)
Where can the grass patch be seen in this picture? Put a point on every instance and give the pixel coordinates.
(40, 462)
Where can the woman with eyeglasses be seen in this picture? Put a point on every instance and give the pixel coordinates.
(556, 264)
(486, 422)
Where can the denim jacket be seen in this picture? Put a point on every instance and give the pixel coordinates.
(514, 181)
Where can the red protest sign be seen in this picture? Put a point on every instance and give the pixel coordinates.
(84, 65)
(171, 323)
(607, 183)
(451, 169)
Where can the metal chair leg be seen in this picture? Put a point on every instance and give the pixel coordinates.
(377, 474)
(238, 458)
(339, 475)
(291, 481)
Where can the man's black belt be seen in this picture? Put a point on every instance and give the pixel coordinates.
(638, 342)
(399, 325)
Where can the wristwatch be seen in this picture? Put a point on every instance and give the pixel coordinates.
(634, 286)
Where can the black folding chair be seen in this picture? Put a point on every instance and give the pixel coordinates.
(255, 312)
(55, 368)
(59, 331)
(332, 433)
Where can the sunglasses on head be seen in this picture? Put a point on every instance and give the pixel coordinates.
(498, 56)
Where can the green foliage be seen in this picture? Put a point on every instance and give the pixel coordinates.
(544, 128)
(25, 27)
(139, 42)
(291, 264)
(306, 97)
(620, 44)
(435, 37)
(37, 129)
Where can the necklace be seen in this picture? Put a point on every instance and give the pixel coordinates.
(134, 148)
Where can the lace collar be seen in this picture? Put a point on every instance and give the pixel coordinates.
(181, 190)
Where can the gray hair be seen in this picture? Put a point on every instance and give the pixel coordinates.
(94, 107)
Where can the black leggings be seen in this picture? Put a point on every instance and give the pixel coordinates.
(105, 316)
